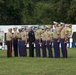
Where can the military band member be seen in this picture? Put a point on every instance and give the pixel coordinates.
(37, 41)
(31, 39)
(15, 42)
(49, 41)
(56, 39)
(9, 42)
(64, 40)
(23, 42)
(43, 36)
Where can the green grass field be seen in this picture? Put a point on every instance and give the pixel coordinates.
(38, 66)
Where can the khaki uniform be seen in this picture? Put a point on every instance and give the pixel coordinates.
(22, 43)
(48, 36)
(56, 42)
(49, 43)
(37, 43)
(63, 42)
(64, 32)
(24, 36)
(15, 35)
(9, 44)
(8, 36)
(19, 36)
(15, 43)
(43, 36)
(37, 34)
(56, 33)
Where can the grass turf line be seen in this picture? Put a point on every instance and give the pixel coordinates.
(38, 66)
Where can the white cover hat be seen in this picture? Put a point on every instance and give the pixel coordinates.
(55, 22)
(29, 26)
(62, 23)
(23, 27)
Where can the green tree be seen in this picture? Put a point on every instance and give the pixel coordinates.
(71, 15)
(37, 11)
(43, 13)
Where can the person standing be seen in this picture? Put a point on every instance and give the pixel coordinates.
(56, 40)
(37, 41)
(43, 36)
(49, 41)
(9, 42)
(23, 42)
(15, 42)
(31, 39)
(20, 41)
(64, 40)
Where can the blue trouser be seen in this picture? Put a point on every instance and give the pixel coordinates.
(64, 48)
(68, 44)
(22, 48)
(43, 48)
(24, 53)
(56, 48)
(15, 47)
(49, 47)
(20, 52)
(73, 44)
(37, 48)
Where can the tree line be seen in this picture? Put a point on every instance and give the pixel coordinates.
(37, 11)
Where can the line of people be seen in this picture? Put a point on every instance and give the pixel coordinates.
(45, 38)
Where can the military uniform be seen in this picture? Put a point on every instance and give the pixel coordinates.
(31, 39)
(9, 43)
(56, 42)
(49, 43)
(15, 43)
(64, 42)
(37, 43)
(23, 43)
(19, 43)
(43, 36)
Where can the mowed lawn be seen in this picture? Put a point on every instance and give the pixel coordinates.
(38, 66)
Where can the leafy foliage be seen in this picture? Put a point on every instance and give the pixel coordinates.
(37, 11)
